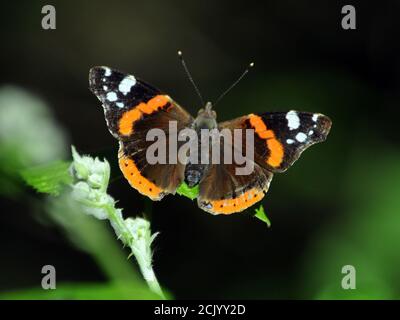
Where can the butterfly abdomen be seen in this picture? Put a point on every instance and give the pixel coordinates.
(195, 168)
(194, 173)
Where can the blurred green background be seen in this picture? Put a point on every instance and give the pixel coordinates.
(338, 205)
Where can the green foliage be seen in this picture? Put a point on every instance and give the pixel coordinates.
(260, 214)
(186, 191)
(50, 178)
(74, 208)
(29, 136)
(30, 144)
(89, 189)
(93, 237)
(28, 129)
(86, 291)
(364, 235)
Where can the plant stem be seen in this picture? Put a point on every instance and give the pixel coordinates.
(143, 262)
(151, 279)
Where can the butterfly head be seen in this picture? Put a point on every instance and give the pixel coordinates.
(206, 118)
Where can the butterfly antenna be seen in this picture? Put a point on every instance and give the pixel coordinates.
(251, 65)
(190, 77)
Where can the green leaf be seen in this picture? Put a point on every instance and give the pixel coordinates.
(49, 178)
(84, 291)
(260, 214)
(185, 190)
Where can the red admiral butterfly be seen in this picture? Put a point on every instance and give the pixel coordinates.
(132, 107)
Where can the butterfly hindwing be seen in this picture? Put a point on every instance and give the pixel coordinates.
(222, 191)
(229, 186)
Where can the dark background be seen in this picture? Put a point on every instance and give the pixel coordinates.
(304, 60)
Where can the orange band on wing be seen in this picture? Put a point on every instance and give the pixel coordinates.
(130, 117)
(137, 181)
(276, 152)
(242, 202)
(127, 120)
(153, 104)
(275, 148)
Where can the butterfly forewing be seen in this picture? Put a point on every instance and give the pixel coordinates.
(132, 108)
(281, 137)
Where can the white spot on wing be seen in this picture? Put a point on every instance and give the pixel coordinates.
(111, 96)
(289, 141)
(301, 137)
(311, 132)
(120, 104)
(315, 117)
(293, 120)
(105, 88)
(126, 84)
(107, 72)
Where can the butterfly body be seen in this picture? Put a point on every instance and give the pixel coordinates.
(206, 120)
(133, 108)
